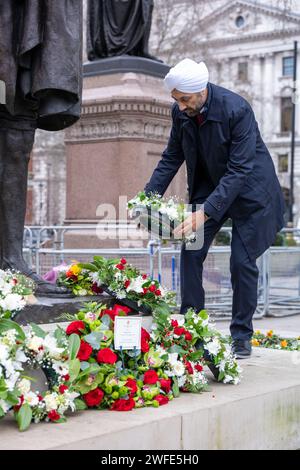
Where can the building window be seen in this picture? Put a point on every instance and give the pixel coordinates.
(240, 21)
(283, 163)
(288, 66)
(286, 114)
(243, 71)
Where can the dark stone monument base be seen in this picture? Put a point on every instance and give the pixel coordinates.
(125, 64)
(48, 310)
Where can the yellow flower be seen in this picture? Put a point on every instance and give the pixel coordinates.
(75, 269)
(270, 334)
(255, 342)
(284, 344)
(258, 332)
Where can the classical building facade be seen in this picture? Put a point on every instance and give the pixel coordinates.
(248, 46)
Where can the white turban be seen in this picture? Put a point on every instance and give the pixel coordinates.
(187, 76)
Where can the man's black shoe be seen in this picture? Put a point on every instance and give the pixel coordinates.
(242, 349)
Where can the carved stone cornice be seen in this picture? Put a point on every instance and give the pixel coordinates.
(122, 120)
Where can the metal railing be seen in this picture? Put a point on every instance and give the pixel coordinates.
(279, 267)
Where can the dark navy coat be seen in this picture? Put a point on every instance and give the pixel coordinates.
(242, 180)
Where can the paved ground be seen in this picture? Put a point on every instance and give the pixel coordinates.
(288, 326)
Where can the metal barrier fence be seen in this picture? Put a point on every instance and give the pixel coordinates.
(279, 267)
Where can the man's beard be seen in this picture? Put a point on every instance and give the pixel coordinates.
(194, 112)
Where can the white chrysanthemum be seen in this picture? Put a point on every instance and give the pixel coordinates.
(24, 386)
(51, 346)
(213, 347)
(51, 402)
(35, 343)
(31, 398)
(178, 368)
(136, 285)
(12, 302)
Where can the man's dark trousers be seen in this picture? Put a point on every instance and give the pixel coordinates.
(244, 279)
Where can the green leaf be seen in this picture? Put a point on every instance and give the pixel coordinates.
(175, 388)
(12, 399)
(94, 339)
(38, 331)
(92, 369)
(74, 369)
(74, 345)
(88, 267)
(80, 404)
(6, 325)
(24, 417)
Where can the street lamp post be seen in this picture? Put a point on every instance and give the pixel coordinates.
(291, 202)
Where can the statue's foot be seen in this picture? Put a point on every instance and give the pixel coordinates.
(43, 288)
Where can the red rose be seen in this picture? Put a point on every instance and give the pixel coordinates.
(120, 266)
(126, 283)
(117, 309)
(158, 292)
(144, 276)
(85, 351)
(76, 327)
(96, 289)
(66, 377)
(21, 401)
(199, 368)
(106, 356)
(152, 288)
(162, 399)
(145, 290)
(165, 384)
(188, 336)
(145, 335)
(179, 331)
(174, 323)
(131, 384)
(123, 405)
(145, 346)
(123, 261)
(94, 397)
(53, 415)
(40, 398)
(189, 367)
(150, 377)
(62, 388)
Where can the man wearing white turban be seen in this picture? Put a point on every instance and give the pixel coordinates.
(232, 176)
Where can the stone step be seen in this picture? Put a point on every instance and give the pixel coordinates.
(263, 412)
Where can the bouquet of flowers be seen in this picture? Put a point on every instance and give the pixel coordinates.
(31, 347)
(215, 347)
(79, 280)
(125, 282)
(273, 341)
(14, 291)
(159, 215)
(108, 378)
(192, 342)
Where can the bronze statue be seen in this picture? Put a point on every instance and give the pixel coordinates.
(40, 65)
(118, 27)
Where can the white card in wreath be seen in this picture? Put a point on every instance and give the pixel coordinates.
(127, 334)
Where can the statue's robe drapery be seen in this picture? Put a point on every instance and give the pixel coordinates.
(40, 62)
(117, 27)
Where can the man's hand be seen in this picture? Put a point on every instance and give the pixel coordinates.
(191, 224)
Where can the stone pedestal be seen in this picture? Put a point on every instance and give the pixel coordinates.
(114, 148)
